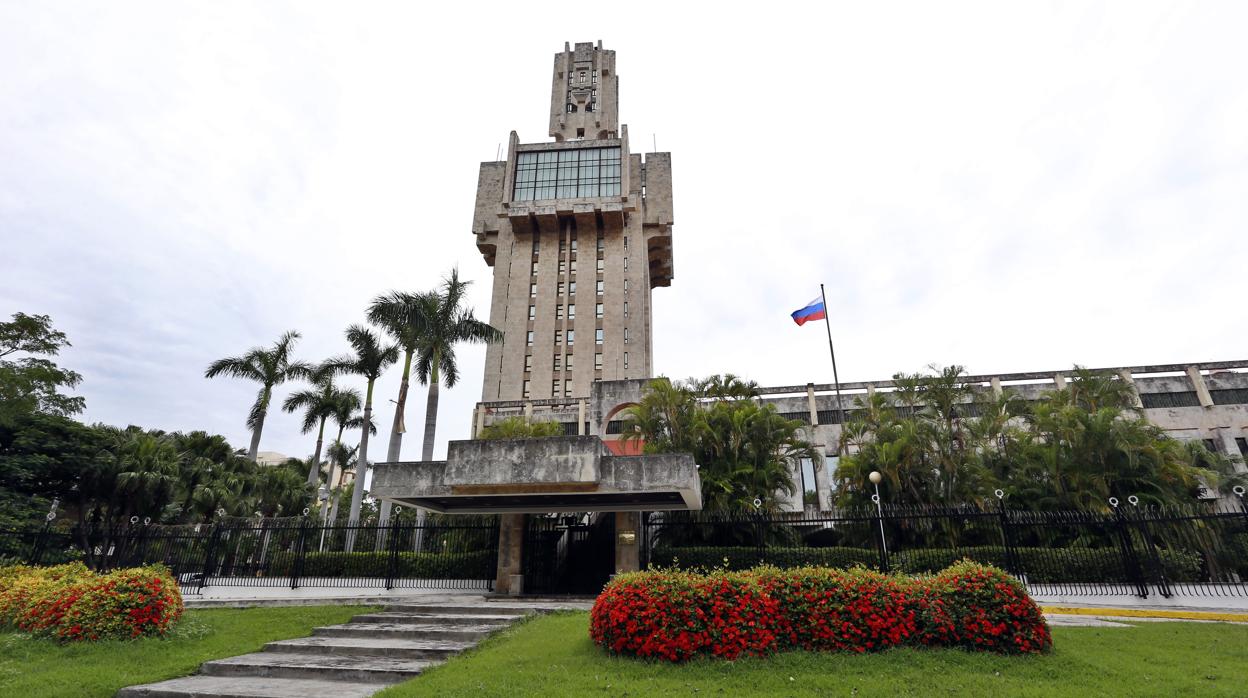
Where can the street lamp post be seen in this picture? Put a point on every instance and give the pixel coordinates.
(875, 478)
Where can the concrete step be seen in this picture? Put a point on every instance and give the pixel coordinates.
(408, 631)
(330, 667)
(449, 619)
(477, 609)
(369, 646)
(250, 687)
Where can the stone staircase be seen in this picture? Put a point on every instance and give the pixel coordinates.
(355, 659)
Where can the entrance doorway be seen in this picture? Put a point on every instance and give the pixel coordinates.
(569, 553)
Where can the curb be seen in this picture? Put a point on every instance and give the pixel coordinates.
(1142, 613)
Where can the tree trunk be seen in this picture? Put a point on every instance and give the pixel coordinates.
(260, 427)
(396, 437)
(361, 470)
(314, 470)
(426, 451)
(431, 412)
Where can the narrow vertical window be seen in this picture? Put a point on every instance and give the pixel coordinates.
(525, 389)
(598, 310)
(598, 336)
(568, 364)
(601, 266)
(598, 287)
(597, 362)
(625, 308)
(571, 311)
(571, 336)
(558, 337)
(626, 264)
(558, 360)
(626, 360)
(571, 287)
(528, 362)
(532, 312)
(529, 340)
(559, 312)
(554, 388)
(567, 388)
(533, 269)
(626, 335)
(532, 290)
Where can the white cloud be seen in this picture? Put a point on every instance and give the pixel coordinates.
(1008, 187)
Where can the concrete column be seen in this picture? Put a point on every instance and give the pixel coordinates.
(995, 382)
(480, 422)
(1125, 375)
(1231, 449)
(580, 417)
(1059, 381)
(627, 552)
(810, 404)
(1198, 384)
(528, 411)
(870, 390)
(510, 576)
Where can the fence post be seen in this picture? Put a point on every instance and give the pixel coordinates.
(1012, 562)
(881, 545)
(209, 551)
(1159, 569)
(300, 552)
(392, 560)
(36, 550)
(1130, 561)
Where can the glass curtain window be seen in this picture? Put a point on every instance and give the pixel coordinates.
(567, 174)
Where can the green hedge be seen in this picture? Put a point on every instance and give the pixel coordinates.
(1043, 565)
(478, 564)
(1052, 565)
(747, 557)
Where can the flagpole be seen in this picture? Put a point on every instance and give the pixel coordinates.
(840, 409)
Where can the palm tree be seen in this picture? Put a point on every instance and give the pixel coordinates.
(318, 404)
(268, 367)
(370, 360)
(341, 459)
(446, 324)
(403, 317)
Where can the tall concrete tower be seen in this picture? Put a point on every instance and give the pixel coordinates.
(578, 231)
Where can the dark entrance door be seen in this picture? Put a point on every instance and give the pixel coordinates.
(565, 555)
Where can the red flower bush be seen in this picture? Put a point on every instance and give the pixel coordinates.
(676, 615)
(70, 602)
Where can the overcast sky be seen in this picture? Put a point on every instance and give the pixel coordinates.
(1006, 186)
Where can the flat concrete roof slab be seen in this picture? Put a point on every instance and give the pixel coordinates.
(568, 473)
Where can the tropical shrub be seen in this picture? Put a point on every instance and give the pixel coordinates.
(676, 615)
(70, 602)
(1042, 565)
(477, 564)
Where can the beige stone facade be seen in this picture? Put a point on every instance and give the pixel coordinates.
(578, 232)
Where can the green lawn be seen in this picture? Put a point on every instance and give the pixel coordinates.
(44, 668)
(552, 656)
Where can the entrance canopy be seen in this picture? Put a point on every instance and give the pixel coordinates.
(564, 473)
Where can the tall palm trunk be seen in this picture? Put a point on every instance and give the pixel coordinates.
(396, 436)
(426, 451)
(361, 468)
(314, 470)
(260, 426)
(431, 412)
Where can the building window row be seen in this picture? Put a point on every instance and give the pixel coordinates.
(567, 174)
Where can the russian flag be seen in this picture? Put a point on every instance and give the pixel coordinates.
(814, 310)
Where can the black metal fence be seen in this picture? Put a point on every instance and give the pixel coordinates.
(1129, 550)
(443, 552)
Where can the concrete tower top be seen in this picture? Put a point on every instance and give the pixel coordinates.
(584, 94)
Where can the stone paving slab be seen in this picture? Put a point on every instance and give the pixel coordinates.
(357, 668)
(237, 687)
(383, 647)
